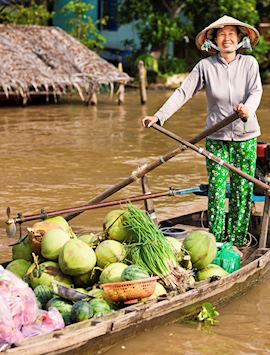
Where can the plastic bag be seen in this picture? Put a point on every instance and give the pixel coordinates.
(9, 333)
(227, 258)
(46, 322)
(18, 307)
(19, 313)
(19, 298)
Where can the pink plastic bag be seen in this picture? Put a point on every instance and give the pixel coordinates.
(19, 313)
(9, 333)
(46, 322)
(19, 297)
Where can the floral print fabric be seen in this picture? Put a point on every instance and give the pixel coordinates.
(243, 156)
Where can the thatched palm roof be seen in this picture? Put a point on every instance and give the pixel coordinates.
(40, 59)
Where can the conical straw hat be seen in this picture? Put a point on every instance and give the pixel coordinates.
(246, 29)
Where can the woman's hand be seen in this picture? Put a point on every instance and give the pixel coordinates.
(241, 110)
(147, 121)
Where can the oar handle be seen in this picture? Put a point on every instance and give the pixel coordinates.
(210, 156)
(216, 127)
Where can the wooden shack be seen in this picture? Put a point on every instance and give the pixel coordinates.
(46, 61)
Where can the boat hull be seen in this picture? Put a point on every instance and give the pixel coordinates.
(94, 335)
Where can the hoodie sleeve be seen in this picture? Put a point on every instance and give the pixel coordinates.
(192, 83)
(254, 88)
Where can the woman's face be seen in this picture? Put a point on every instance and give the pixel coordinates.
(227, 39)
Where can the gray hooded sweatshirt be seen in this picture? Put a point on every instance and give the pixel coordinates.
(226, 85)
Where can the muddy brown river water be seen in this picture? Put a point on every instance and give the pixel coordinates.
(58, 156)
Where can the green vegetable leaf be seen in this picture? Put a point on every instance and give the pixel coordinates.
(208, 314)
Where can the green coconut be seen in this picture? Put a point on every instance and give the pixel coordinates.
(202, 248)
(63, 224)
(112, 273)
(53, 242)
(98, 293)
(210, 271)
(110, 251)
(22, 250)
(46, 273)
(159, 291)
(114, 228)
(19, 267)
(90, 239)
(76, 258)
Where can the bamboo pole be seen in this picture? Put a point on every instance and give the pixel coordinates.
(43, 215)
(211, 156)
(142, 83)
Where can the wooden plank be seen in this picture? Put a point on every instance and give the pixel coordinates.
(127, 320)
(265, 222)
(63, 340)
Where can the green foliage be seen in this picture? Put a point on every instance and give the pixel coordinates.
(208, 314)
(198, 11)
(34, 13)
(82, 25)
(149, 61)
(173, 65)
(261, 52)
(159, 29)
(158, 22)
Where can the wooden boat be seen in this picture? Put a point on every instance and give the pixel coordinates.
(100, 333)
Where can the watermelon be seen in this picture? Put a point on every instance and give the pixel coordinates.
(99, 293)
(63, 306)
(100, 307)
(43, 294)
(134, 272)
(80, 311)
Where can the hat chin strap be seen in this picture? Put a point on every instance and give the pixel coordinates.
(208, 44)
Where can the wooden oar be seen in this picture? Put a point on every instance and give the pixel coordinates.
(146, 168)
(44, 214)
(209, 155)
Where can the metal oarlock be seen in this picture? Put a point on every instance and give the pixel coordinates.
(10, 225)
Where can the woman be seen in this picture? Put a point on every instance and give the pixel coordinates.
(232, 83)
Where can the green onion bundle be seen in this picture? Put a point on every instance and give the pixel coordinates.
(150, 249)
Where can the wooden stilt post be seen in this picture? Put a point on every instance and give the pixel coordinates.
(148, 204)
(265, 221)
(93, 99)
(142, 83)
(121, 90)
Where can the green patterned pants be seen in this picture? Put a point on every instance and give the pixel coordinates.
(243, 156)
